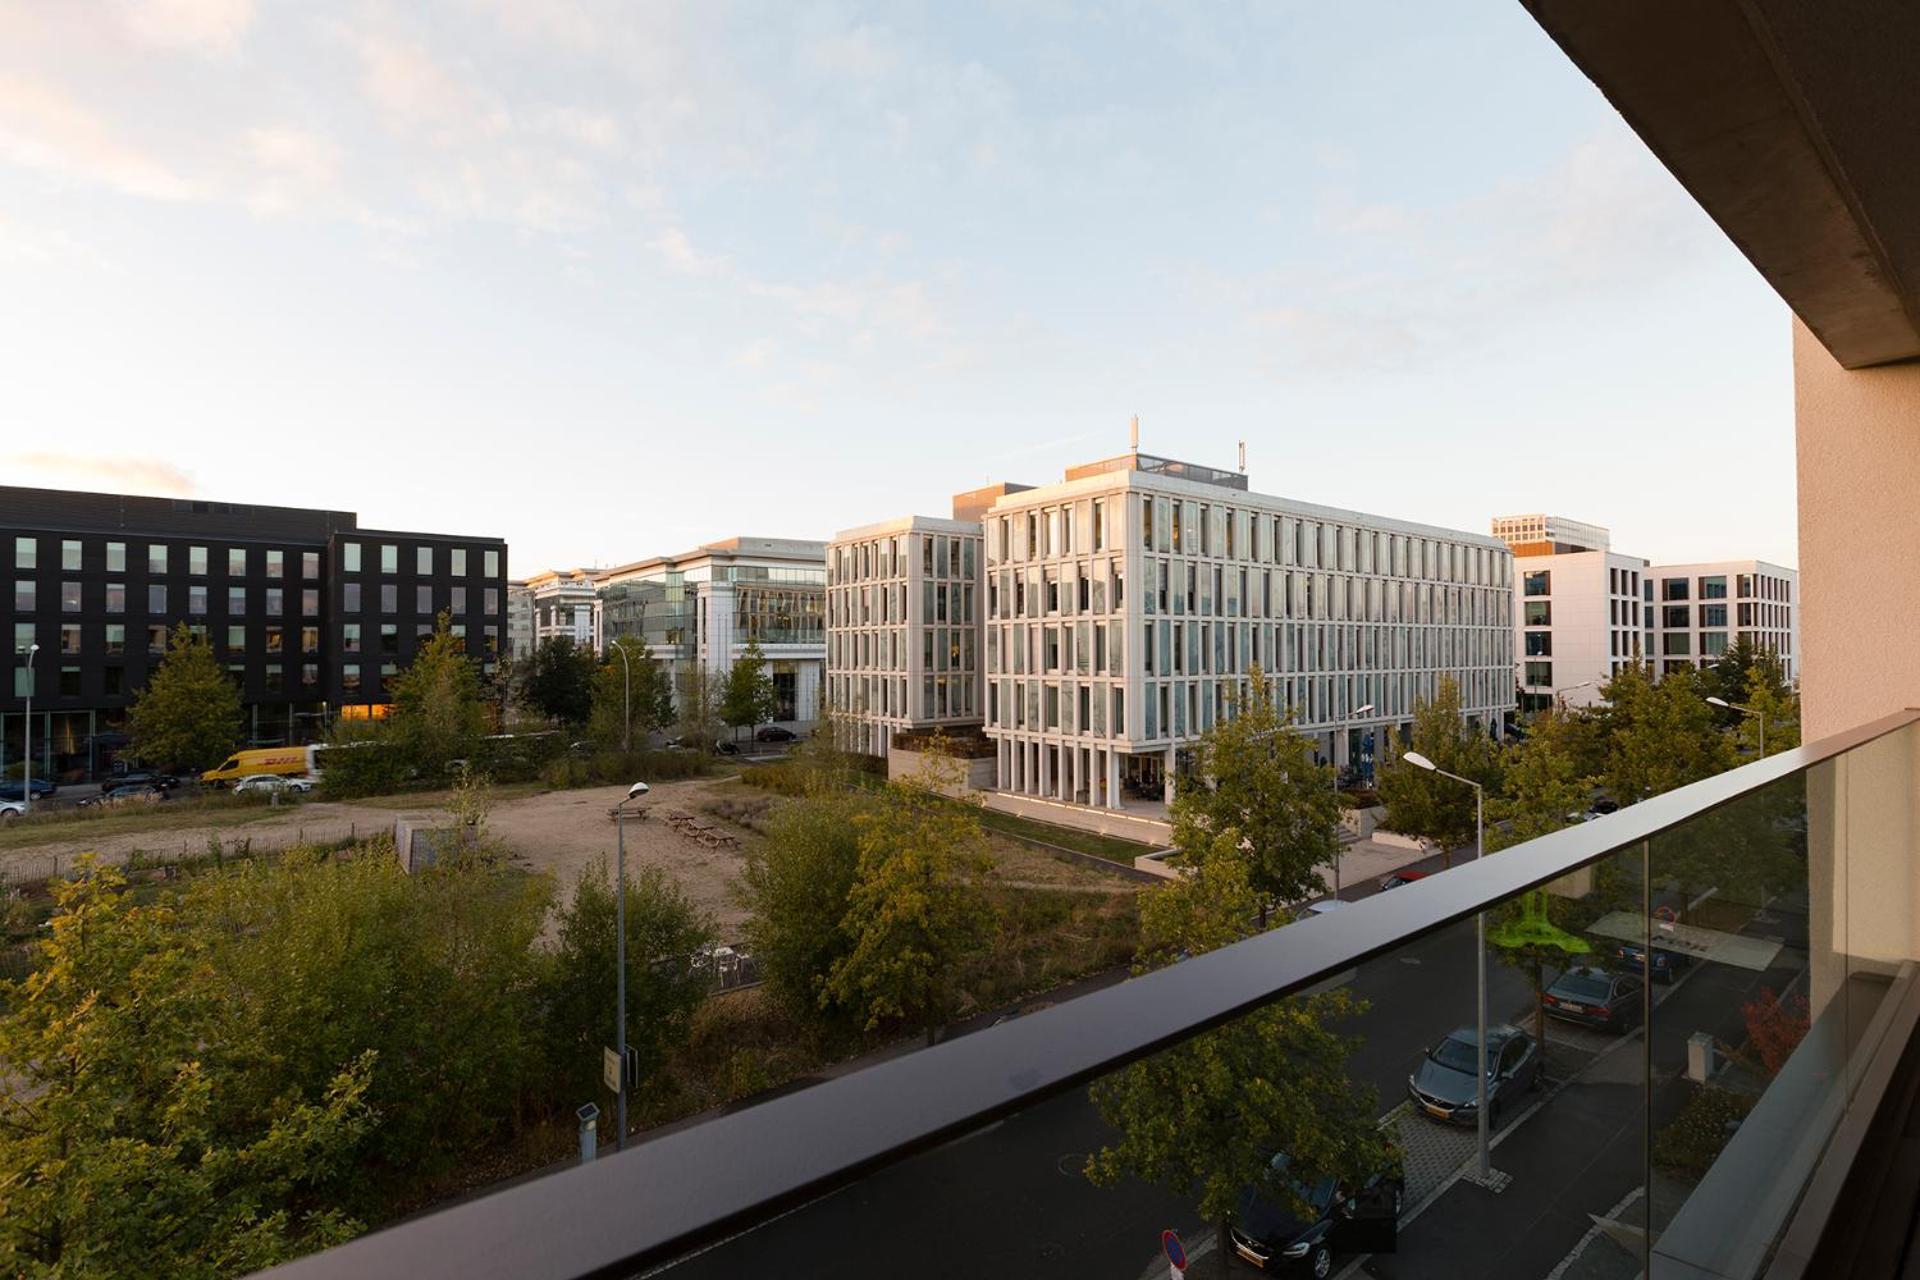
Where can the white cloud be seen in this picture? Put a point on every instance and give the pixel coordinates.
(120, 472)
(295, 168)
(206, 26)
(43, 128)
(678, 252)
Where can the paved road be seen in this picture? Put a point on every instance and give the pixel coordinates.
(1011, 1200)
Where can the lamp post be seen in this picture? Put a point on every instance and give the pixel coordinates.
(1419, 761)
(634, 792)
(1334, 760)
(1755, 712)
(626, 730)
(26, 763)
(1559, 693)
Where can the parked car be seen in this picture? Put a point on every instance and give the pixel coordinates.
(14, 789)
(164, 781)
(1399, 878)
(1666, 964)
(1445, 1085)
(1325, 906)
(12, 809)
(138, 793)
(1586, 993)
(267, 784)
(1272, 1233)
(1605, 806)
(774, 733)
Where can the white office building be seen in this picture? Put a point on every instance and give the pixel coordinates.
(1126, 604)
(705, 606)
(1694, 612)
(1577, 612)
(519, 618)
(565, 602)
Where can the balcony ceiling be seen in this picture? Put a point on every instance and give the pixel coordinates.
(1796, 125)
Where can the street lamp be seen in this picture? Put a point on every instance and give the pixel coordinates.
(626, 731)
(1755, 712)
(1558, 693)
(1334, 760)
(1419, 761)
(634, 792)
(26, 764)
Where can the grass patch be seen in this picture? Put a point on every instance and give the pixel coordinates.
(220, 810)
(1049, 937)
(1112, 848)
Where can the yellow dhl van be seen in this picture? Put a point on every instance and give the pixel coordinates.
(291, 762)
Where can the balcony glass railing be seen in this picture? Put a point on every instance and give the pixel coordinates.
(1684, 997)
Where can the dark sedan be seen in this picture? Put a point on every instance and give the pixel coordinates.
(14, 789)
(1666, 964)
(1275, 1235)
(142, 777)
(137, 793)
(1445, 1084)
(1595, 997)
(774, 733)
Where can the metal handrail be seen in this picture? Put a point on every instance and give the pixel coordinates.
(665, 1197)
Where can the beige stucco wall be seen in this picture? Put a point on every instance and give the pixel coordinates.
(1858, 434)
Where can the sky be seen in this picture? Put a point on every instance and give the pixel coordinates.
(614, 279)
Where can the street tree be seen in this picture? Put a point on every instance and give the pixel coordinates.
(1731, 676)
(1778, 706)
(1659, 734)
(127, 1146)
(1254, 775)
(696, 707)
(916, 913)
(746, 696)
(664, 985)
(439, 714)
(635, 692)
(1422, 803)
(188, 714)
(1211, 903)
(557, 681)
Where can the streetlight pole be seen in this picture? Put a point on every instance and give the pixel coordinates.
(1419, 761)
(1755, 712)
(1333, 759)
(634, 792)
(26, 764)
(1559, 693)
(626, 731)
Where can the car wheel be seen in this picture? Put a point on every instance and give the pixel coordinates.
(1321, 1263)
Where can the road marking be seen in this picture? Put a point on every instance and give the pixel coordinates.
(1560, 1269)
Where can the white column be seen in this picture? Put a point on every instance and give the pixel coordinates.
(1113, 779)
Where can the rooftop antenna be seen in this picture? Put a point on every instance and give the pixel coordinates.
(1243, 457)
(1133, 439)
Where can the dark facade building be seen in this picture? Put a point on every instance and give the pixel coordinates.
(312, 614)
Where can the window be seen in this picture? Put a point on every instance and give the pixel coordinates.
(459, 600)
(70, 556)
(389, 598)
(197, 561)
(276, 601)
(1673, 588)
(24, 594)
(69, 597)
(196, 600)
(1676, 615)
(116, 557)
(1538, 613)
(310, 674)
(350, 597)
(156, 638)
(423, 561)
(422, 600)
(350, 557)
(1539, 674)
(389, 558)
(156, 558)
(276, 564)
(1539, 644)
(350, 677)
(349, 637)
(236, 601)
(116, 597)
(459, 557)
(113, 680)
(236, 562)
(1713, 644)
(389, 637)
(116, 639)
(69, 682)
(492, 561)
(236, 639)
(70, 637)
(1713, 615)
(1537, 583)
(309, 564)
(1674, 644)
(491, 598)
(26, 553)
(309, 602)
(309, 639)
(156, 597)
(1714, 588)
(276, 640)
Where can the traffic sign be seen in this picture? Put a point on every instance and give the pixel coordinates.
(610, 1069)
(1176, 1252)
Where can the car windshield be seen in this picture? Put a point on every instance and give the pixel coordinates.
(1319, 1196)
(1583, 986)
(1456, 1053)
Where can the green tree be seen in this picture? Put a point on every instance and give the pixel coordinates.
(1731, 676)
(438, 715)
(556, 681)
(123, 1150)
(1212, 903)
(635, 692)
(1254, 775)
(796, 886)
(664, 986)
(1541, 784)
(1778, 705)
(188, 714)
(1659, 734)
(696, 703)
(916, 913)
(746, 697)
(1421, 803)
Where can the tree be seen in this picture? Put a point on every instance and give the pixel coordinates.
(664, 985)
(1659, 735)
(1254, 775)
(695, 702)
(915, 912)
(1422, 803)
(188, 715)
(1541, 784)
(1212, 903)
(122, 1147)
(438, 715)
(1731, 677)
(796, 886)
(557, 682)
(746, 697)
(1778, 705)
(636, 692)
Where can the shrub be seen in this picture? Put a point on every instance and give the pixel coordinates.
(1689, 1146)
(1775, 1027)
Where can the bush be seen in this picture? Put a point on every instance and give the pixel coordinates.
(367, 768)
(1689, 1146)
(609, 767)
